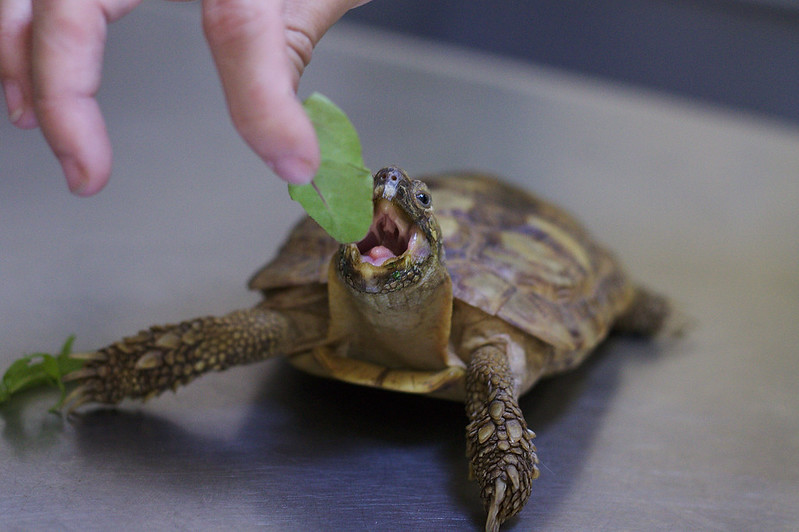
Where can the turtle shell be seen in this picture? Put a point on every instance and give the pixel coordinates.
(509, 253)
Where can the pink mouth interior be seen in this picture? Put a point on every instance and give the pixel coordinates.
(385, 240)
(378, 255)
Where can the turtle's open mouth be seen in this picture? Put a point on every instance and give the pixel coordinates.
(403, 240)
(391, 238)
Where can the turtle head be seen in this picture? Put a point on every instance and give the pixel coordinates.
(404, 242)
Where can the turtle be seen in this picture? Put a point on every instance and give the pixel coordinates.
(474, 299)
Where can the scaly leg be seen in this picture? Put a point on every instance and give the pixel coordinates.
(499, 445)
(164, 357)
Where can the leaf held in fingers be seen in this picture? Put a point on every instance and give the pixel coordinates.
(340, 196)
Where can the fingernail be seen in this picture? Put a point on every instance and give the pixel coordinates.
(296, 170)
(76, 181)
(14, 100)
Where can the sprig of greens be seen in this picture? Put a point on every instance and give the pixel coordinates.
(340, 196)
(39, 369)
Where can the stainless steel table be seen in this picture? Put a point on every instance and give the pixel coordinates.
(696, 434)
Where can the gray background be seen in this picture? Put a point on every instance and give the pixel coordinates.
(738, 53)
(700, 433)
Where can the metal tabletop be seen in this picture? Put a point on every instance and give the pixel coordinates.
(700, 433)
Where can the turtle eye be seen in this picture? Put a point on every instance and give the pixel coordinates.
(423, 198)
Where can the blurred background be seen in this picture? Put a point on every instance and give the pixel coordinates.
(668, 127)
(738, 53)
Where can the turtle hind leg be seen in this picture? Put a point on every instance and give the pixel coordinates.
(648, 315)
(164, 357)
(499, 445)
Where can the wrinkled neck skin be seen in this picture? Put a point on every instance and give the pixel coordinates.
(408, 328)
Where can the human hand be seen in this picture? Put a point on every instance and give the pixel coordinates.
(50, 68)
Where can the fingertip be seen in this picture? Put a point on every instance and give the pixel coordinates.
(294, 169)
(24, 119)
(284, 138)
(19, 114)
(76, 177)
(80, 182)
(75, 130)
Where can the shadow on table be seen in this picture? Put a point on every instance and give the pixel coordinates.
(307, 442)
(28, 426)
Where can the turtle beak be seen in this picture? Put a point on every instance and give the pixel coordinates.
(388, 181)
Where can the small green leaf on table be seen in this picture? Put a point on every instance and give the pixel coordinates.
(39, 370)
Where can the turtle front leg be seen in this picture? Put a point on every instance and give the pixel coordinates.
(164, 357)
(499, 445)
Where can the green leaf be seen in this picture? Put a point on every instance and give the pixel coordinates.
(39, 370)
(340, 196)
(66, 364)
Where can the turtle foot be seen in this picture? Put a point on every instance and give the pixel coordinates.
(164, 357)
(498, 443)
(503, 461)
(140, 366)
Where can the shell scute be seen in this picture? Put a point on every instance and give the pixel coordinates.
(526, 261)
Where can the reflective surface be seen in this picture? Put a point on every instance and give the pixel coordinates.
(700, 433)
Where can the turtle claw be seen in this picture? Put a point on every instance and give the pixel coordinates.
(79, 374)
(77, 398)
(97, 356)
(493, 521)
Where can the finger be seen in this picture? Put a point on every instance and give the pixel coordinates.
(15, 76)
(248, 44)
(306, 22)
(66, 56)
